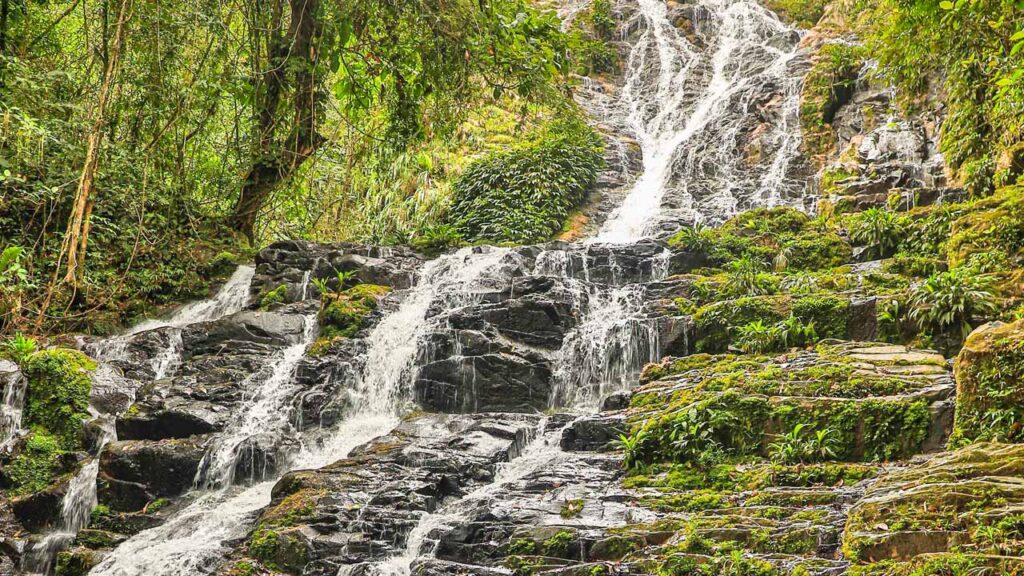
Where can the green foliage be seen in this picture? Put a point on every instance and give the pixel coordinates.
(803, 13)
(344, 312)
(803, 445)
(952, 300)
(57, 398)
(33, 469)
(974, 48)
(747, 277)
(14, 282)
(437, 238)
(589, 43)
(828, 85)
(758, 338)
(782, 237)
(879, 230)
(526, 193)
(19, 348)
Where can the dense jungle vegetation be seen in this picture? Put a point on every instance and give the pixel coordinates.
(144, 147)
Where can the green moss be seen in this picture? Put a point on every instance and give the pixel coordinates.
(558, 545)
(274, 297)
(263, 546)
(715, 322)
(345, 312)
(157, 505)
(828, 85)
(523, 546)
(35, 467)
(951, 564)
(75, 562)
(57, 398)
(829, 314)
(990, 396)
(993, 226)
(571, 509)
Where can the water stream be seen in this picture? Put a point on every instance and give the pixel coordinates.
(689, 107)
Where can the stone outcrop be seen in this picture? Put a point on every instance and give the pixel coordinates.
(969, 502)
(990, 385)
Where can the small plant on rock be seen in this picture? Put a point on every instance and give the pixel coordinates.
(951, 300)
(631, 445)
(758, 337)
(747, 277)
(879, 230)
(803, 445)
(345, 278)
(19, 347)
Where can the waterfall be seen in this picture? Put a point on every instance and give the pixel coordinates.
(13, 403)
(687, 108)
(193, 541)
(76, 508)
(684, 104)
(81, 495)
(231, 298)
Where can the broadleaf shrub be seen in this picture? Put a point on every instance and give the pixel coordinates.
(526, 193)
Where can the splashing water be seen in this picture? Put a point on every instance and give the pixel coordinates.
(76, 508)
(231, 298)
(690, 107)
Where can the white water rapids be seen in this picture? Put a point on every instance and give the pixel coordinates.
(684, 99)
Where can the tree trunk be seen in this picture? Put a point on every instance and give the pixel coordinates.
(5, 11)
(77, 235)
(290, 67)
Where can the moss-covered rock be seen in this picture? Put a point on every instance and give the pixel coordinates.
(75, 562)
(969, 500)
(344, 313)
(872, 402)
(990, 385)
(782, 238)
(36, 466)
(992, 229)
(57, 397)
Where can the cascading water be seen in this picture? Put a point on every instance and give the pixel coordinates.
(689, 107)
(12, 406)
(192, 541)
(81, 497)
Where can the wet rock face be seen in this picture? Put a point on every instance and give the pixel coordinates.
(287, 263)
(361, 509)
(133, 474)
(888, 162)
(222, 360)
(11, 538)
